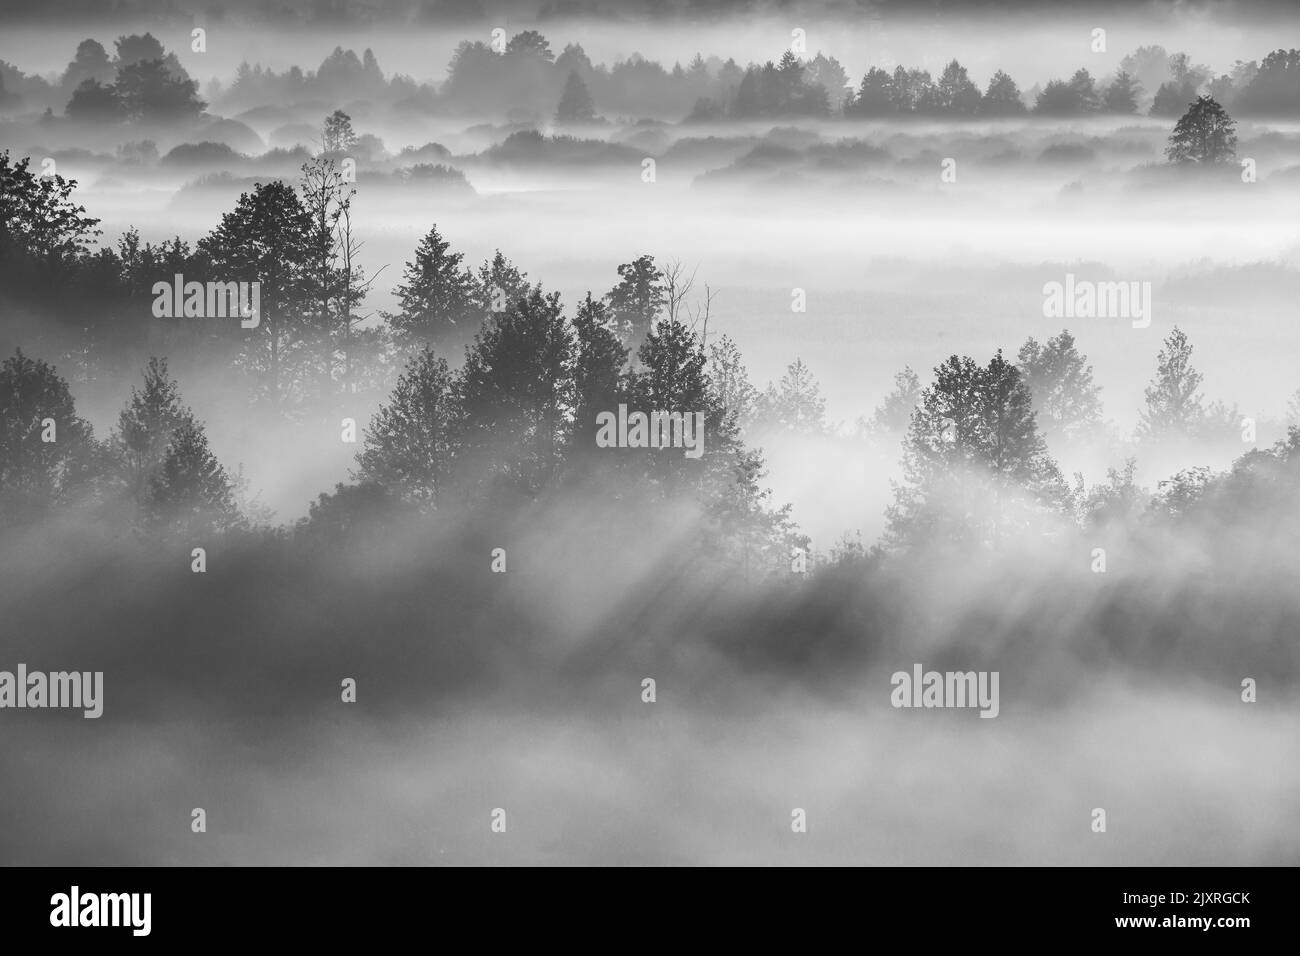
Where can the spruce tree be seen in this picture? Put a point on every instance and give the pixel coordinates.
(190, 492)
(437, 294)
(1002, 98)
(146, 427)
(1122, 94)
(408, 445)
(576, 105)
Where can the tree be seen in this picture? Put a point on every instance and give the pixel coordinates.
(269, 238)
(797, 404)
(337, 135)
(599, 358)
(437, 293)
(975, 467)
(90, 63)
(1273, 87)
(575, 102)
(190, 494)
(1067, 401)
(515, 391)
(40, 225)
(92, 102)
(875, 96)
(530, 43)
(912, 90)
(408, 445)
(1058, 98)
(150, 92)
(500, 284)
(135, 48)
(827, 73)
(146, 428)
(1122, 94)
(955, 93)
(894, 415)
(730, 383)
(1172, 98)
(1085, 91)
(334, 281)
(672, 376)
(638, 299)
(1173, 403)
(1205, 134)
(41, 464)
(1002, 98)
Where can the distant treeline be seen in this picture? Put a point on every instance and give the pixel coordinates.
(524, 80)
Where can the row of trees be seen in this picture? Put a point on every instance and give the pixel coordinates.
(1059, 385)
(524, 78)
(517, 421)
(156, 466)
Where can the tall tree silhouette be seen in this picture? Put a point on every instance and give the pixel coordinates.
(437, 295)
(638, 299)
(575, 105)
(145, 429)
(1173, 400)
(47, 453)
(515, 392)
(270, 238)
(409, 443)
(190, 493)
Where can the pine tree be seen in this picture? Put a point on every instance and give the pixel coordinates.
(1002, 98)
(190, 492)
(894, 415)
(576, 105)
(797, 404)
(600, 357)
(1173, 408)
(499, 285)
(956, 93)
(1122, 94)
(409, 443)
(436, 295)
(875, 96)
(1085, 91)
(515, 393)
(730, 382)
(146, 427)
(1205, 134)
